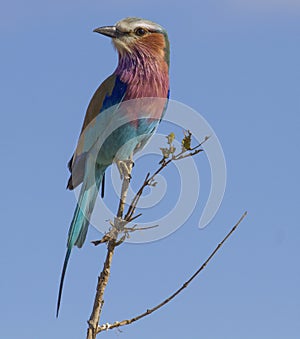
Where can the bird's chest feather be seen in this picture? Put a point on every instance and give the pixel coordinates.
(147, 92)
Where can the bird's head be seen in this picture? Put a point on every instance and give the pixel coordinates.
(135, 35)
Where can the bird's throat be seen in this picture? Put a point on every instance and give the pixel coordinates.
(146, 75)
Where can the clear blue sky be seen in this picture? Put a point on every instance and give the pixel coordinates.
(236, 62)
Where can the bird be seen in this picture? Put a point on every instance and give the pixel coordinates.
(121, 117)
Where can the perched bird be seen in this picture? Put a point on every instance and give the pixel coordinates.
(120, 118)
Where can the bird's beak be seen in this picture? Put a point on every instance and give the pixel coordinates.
(109, 31)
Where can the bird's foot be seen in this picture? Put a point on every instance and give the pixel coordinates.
(125, 167)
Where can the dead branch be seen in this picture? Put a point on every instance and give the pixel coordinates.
(112, 242)
(117, 324)
(119, 231)
(99, 301)
(168, 157)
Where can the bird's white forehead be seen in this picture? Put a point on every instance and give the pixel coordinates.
(130, 24)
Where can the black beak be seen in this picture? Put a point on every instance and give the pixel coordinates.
(109, 31)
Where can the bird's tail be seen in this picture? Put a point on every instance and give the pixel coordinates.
(62, 279)
(80, 222)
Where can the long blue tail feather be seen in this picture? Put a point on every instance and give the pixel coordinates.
(62, 279)
(79, 225)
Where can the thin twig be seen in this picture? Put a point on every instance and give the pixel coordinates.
(134, 201)
(134, 228)
(164, 163)
(116, 324)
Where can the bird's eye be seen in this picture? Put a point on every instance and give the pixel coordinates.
(140, 31)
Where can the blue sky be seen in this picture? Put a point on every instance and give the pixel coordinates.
(235, 62)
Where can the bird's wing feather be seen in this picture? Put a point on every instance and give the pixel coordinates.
(110, 93)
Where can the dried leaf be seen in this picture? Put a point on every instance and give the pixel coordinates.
(186, 141)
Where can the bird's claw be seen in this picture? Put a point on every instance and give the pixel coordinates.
(125, 167)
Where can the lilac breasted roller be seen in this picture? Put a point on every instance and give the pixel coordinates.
(121, 117)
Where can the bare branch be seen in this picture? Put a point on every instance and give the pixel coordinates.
(135, 228)
(125, 186)
(111, 238)
(164, 163)
(119, 231)
(99, 301)
(117, 324)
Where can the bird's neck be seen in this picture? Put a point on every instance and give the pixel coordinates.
(146, 74)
